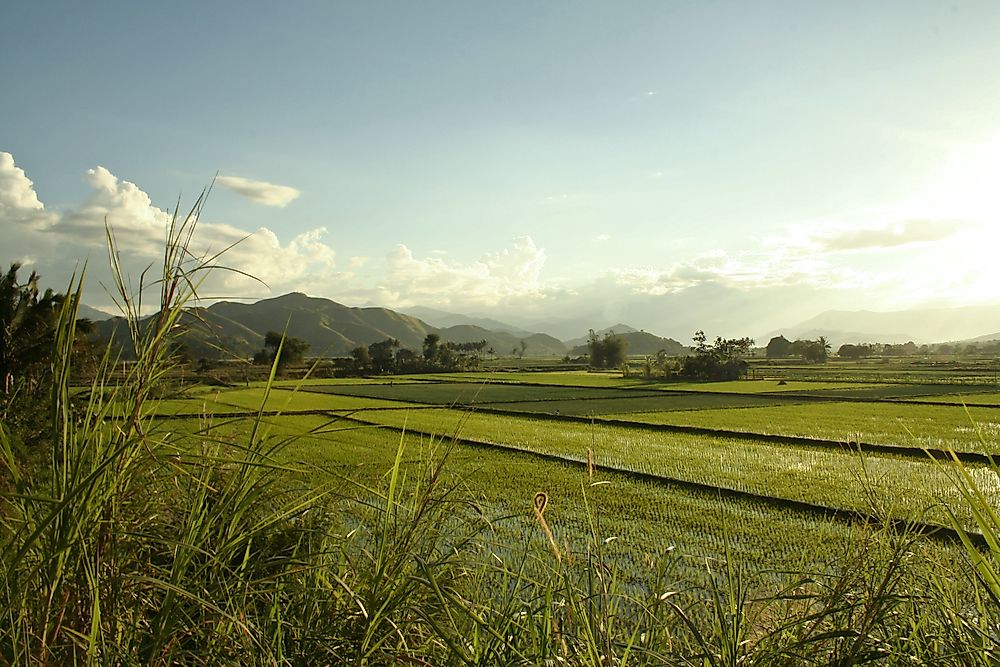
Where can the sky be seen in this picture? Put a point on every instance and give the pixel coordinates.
(728, 166)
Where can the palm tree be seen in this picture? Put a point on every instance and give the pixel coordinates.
(825, 344)
(27, 326)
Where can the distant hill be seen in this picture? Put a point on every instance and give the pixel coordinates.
(641, 342)
(980, 339)
(617, 328)
(925, 325)
(331, 329)
(536, 345)
(92, 314)
(444, 319)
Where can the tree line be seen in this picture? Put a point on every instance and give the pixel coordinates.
(381, 357)
(819, 350)
(816, 351)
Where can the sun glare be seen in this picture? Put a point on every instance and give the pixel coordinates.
(969, 185)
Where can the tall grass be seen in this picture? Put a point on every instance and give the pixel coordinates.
(137, 545)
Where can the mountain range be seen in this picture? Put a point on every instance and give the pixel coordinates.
(924, 325)
(330, 328)
(333, 329)
(445, 319)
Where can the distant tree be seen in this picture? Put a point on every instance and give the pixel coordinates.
(523, 346)
(432, 344)
(406, 360)
(722, 360)
(848, 351)
(361, 359)
(778, 347)
(615, 350)
(662, 363)
(383, 355)
(596, 349)
(292, 350)
(815, 351)
(608, 352)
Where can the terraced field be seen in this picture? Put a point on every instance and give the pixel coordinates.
(931, 426)
(641, 520)
(764, 472)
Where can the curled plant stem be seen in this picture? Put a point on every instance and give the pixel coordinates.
(541, 500)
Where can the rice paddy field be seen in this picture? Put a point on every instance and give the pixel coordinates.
(766, 469)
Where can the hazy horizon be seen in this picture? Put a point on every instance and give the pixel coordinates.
(742, 167)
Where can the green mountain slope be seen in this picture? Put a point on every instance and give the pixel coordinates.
(331, 329)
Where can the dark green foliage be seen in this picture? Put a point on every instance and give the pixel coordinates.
(848, 351)
(361, 359)
(281, 350)
(432, 347)
(383, 355)
(27, 328)
(388, 356)
(611, 351)
(778, 347)
(723, 360)
(813, 351)
(28, 323)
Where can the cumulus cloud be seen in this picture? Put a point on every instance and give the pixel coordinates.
(18, 200)
(78, 233)
(261, 192)
(494, 278)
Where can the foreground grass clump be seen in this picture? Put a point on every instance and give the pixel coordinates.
(139, 543)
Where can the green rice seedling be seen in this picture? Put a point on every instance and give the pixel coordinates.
(974, 623)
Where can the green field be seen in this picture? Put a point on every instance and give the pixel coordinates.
(904, 486)
(646, 520)
(931, 426)
(986, 397)
(283, 400)
(448, 393)
(627, 402)
(656, 487)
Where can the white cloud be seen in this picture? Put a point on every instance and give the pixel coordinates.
(840, 260)
(511, 273)
(748, 271)
(834, 237)
(18, 200)
(61, 240)
(261, 192)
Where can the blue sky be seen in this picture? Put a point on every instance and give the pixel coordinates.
(599, 161)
